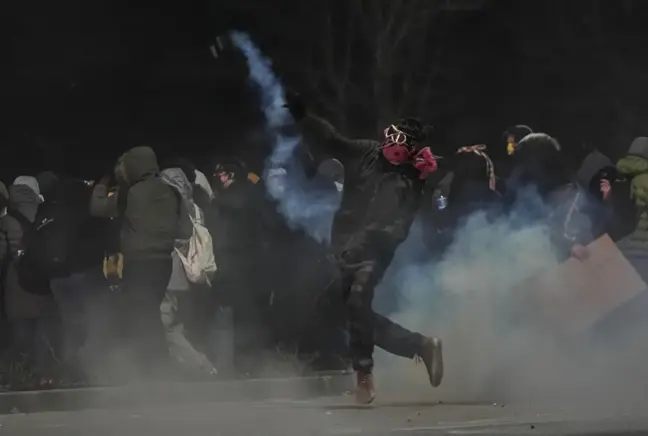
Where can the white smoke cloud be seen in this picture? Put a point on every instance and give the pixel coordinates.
(300, 201)
(497, 347)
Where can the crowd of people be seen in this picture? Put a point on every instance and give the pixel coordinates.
(130, 271)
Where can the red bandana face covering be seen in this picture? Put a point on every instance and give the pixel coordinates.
(396, 150)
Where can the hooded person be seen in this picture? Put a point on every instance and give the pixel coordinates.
(384, 183)
(178, 298)
(634, 166)
(470, 186)
(30, 315)
(79, 242)
(513, 135)
(609, 204)
(151, 223)
(538, 165)
(244, 231)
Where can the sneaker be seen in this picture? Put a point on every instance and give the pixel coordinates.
(365, 392)
(432, 357)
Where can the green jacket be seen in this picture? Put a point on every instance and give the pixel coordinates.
(151, 220)
(635, 245)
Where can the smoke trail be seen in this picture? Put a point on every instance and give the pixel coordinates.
(302, 203)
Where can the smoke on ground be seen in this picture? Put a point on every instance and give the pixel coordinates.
(300, 200)
(497, 347)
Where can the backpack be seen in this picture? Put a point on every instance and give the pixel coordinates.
(199, 263)
(44, 253)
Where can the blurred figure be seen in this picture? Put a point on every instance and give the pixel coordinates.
(179, 302)
(539, 166)
(609, 204)
(31, 316)
(151, 224)
(79, 244)
(634, 166)
(242, 232)
(470, 186)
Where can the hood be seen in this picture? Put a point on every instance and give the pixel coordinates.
(538, 161)
(203, 183)
(592, 164)
(639, 147)
(176, 178)
(29, 182)
(23, 199)
(632, 166)
(138, 163)
(48, 182)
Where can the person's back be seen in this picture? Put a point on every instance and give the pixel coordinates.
(149, 229)
(151, 216)
(29, 315)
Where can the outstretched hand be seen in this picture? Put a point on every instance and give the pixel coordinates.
(295, 104)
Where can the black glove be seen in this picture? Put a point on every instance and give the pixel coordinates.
(295, 104)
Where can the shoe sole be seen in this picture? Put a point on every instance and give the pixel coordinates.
(436, 374)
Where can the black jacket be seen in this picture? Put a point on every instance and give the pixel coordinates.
(380, 200)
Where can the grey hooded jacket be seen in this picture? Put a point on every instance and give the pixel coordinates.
(19, 304)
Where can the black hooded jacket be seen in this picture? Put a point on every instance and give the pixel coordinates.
(467, 192)
(539, 165)
(151, 221)
(380, 200)
(614, 216)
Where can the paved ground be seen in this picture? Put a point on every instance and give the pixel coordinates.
(332, 416)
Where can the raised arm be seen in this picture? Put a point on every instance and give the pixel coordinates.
(321, 135)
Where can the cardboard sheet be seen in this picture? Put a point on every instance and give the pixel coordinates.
(571, 298)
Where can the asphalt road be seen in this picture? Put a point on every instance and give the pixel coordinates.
(333, 416)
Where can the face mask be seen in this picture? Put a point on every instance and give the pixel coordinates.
(394, 147)
(397, 152)
(339, 186)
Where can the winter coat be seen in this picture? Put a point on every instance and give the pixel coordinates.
(635, 245)
(151, 217)
(379, 201)
(19, 304)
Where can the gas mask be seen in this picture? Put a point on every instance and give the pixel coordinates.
(510, 144)
(397, 148)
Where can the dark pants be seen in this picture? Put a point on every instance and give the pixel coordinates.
(144, 286)
(367, 328)
(72, 295)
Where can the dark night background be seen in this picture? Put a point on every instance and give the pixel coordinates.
(83, 80)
